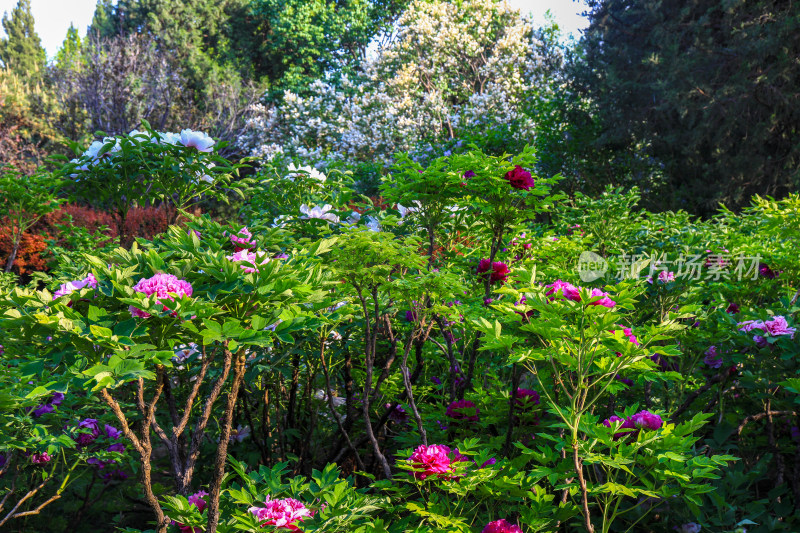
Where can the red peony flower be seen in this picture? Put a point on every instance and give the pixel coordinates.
(519, 178)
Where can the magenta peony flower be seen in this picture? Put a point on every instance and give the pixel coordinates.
(243, 239)
(519, 178)
(562, 288)
(605, 301)
(647, 420)
(163, 286)
(40, 458)
(499, 271)
(501, 526)
(88, 437)
(71, 286)
(469, 174)
(732, 309)
(196, 499)
(766, 272)
(463, 410)
(250, 260)
(281, 513)
(430, 460)
(526, 398)
(626, 425)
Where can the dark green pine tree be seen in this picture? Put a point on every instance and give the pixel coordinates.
(21, 50)
(709, 88)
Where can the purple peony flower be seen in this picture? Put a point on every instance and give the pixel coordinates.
(732, 309)
(526, 398)
(71, 286)
(647, 420)
(712, 358)
(112, 432)
(463, 410)
(90, 431)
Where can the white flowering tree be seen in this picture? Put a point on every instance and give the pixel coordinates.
(453, 71)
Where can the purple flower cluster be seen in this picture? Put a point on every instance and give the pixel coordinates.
(49, 406)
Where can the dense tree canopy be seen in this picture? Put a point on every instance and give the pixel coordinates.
(711, 86)
(21, 50)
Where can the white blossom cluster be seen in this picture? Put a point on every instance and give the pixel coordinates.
(452, 70)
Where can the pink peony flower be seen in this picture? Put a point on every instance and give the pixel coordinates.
(163, 286)
(501, 526)
(463, 410)
(779, 326)
(647, 420)
(72, 286)
(519, 178)
(605, 301)
(526, 398)
(281, 513)
(196, 499)
(430, 460)
(249, 258)
(663, 277)
(243, 239)
(629, 333)
(562, 288)
(499, 271)
(626, 425)
(40, 458)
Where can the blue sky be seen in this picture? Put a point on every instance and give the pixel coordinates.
(53, 17)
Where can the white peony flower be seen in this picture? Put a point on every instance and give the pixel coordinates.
(197, 139)
(322, 213)
(303, 171)
(169, 138)
(405, 211)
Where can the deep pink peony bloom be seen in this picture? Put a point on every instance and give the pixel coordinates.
(71, 286)
(196, 499)
(431, 460)
(499, 270)
(605, 301)
(243, 239)
(562, 288)
(281, 513)
(641, 420)
(526, 398)
(765, 271)
(85, 438)
(627, 425)
(463, 410)
(40, 458)
(647, 420)
(501, 526)
(250, 260)
(519, 178)
(163, 286)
